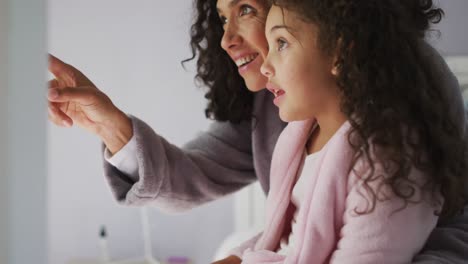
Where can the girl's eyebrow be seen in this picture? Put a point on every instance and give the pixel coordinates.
(280, 27)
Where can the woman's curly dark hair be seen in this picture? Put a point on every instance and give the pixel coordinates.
(228, 97)
(390, 92)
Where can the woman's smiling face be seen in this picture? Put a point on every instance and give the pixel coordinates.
(244, 37)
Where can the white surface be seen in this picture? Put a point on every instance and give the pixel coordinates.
(91, 261)
(132, 51)
(249, 216)
(234, 240)
(147, 241)
(459, 66)
(249, 208)
(23, 234)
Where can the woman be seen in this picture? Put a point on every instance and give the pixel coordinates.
(236, 150)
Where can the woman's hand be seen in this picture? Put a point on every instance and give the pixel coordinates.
(74, 99)
(229, 260)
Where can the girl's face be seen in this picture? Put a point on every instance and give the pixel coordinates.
(299, 74)
(244, 37)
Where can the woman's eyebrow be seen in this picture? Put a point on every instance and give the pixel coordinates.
(231, 4)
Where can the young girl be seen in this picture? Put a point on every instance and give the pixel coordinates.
(369, 160)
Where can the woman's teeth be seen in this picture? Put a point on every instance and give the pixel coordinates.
(245, 60)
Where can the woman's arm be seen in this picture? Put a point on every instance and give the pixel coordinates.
(448, 243)
(219, 161)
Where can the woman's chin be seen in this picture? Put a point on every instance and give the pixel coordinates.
(255, 84)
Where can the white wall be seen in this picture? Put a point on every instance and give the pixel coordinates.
(23, 232)
(453, 40)
(132, 51)
(4, 205)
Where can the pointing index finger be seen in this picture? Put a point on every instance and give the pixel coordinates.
(57, 67)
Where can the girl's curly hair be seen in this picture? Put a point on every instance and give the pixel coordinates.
(390, 91)
(228, 97)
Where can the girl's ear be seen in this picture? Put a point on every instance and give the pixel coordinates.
(334, 70)
(336, 66)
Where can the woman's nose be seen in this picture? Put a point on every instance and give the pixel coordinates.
(231, 37)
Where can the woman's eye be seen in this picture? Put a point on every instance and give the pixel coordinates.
(282, 44)
(245, 10)
(223, 20)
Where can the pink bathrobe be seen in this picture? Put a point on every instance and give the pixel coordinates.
(329, 230)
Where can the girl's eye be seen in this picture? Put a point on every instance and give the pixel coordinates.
(282, 44)
(245, 10)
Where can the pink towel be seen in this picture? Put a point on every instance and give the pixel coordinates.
(329, 230)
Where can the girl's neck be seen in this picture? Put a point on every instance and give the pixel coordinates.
(327, 126)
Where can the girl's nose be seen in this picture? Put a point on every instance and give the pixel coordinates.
(266, 68)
